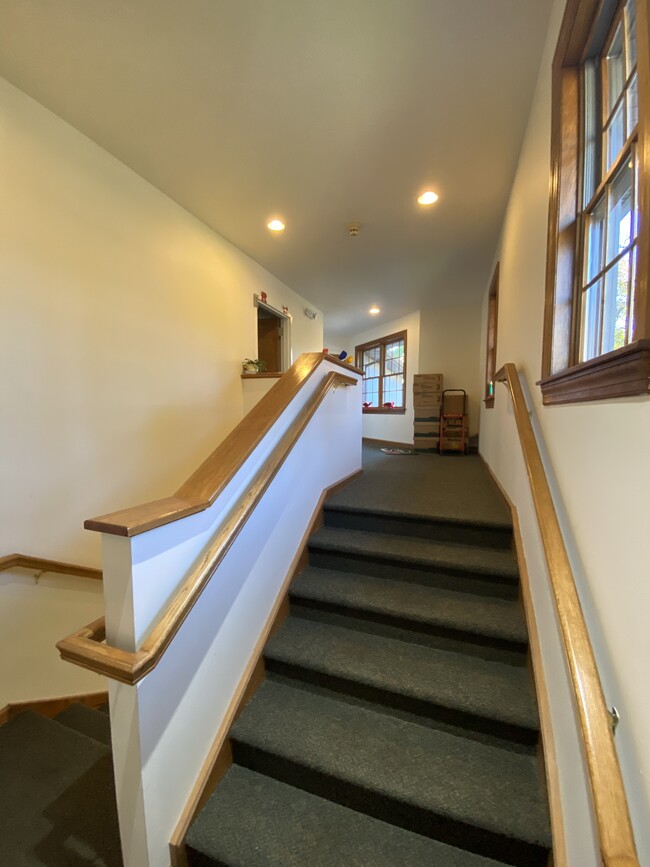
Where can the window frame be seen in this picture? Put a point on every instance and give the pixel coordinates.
(491, 340)
(381, 342)
(624, 371)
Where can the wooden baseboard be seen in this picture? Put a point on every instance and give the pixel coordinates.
(50, 707)
(549, 756)
(40, 564)
(219, 758)
(388, 443)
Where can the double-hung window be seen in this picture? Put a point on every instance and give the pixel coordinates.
(597, 323)
(383, 363)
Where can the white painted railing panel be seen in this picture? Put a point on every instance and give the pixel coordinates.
(160, 558)
(164, 726)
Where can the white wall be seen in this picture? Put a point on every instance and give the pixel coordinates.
(600, 464)
(450, 343)
(393, 428)
(124, 323)
(163, 727)
(42, 612)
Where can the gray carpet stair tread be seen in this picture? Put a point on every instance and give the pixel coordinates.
(427, 486)
(255, 821)
(436, 607)
(459, 681)
(445, 555)
(88, 721)
(490, 522)
(58, 797)
(462, 780)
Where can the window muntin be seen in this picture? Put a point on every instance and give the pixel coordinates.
(383, 363)
(608, 228)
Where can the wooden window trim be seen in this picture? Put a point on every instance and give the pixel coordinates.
(491, 342)
(625, 371)
(382, 341)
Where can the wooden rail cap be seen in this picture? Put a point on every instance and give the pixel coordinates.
(616, 838)
(40, 564)
(87, 646)
(205, 485)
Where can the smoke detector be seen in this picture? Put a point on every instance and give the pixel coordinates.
(354, 229)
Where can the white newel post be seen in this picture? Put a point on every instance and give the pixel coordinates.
(163, 727)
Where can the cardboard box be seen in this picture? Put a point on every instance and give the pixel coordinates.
(426, 428)
(428, 444)
(427, 399)
(427, 384)
(434, 379)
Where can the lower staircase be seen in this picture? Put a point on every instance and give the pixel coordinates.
(397, 722)
(58, 795)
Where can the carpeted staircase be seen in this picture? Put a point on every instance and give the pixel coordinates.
(58, 795)
(397, 724)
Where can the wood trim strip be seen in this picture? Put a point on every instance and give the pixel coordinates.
(261, 375)
(24, 561)
(388, 443)
(205, 485)
(85, 647)
(622, 373)
(219, 757)
(541, 687)
(50, 707)
(615, 835)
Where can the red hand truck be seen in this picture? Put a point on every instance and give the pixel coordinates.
(453, 421)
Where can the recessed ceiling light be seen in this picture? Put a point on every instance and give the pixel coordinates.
(275, 225)
(374, 310)
(428, 198)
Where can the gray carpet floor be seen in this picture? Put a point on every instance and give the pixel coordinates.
(445, 487)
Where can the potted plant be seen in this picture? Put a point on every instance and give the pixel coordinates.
(253, 365)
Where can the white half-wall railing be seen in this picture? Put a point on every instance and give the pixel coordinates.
(191, 581)
(615, 839)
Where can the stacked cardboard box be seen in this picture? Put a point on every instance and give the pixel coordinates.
(427, 397)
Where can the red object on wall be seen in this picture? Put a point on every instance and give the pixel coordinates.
(263, 297)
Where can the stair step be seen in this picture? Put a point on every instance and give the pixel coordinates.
(454, 688)
(59, 805)
(484, 620)
(474, 569)
(491, 535)
(257, 821)
(456, 790)
(93, 723)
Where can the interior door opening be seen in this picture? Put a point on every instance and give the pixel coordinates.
(272, 339)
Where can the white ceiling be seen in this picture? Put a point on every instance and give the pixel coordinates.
(322, 111)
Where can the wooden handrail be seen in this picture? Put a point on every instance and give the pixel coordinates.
(40, 564)
(85, 647)
(205, 485)
(615, 835)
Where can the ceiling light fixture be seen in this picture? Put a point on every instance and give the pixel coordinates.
(428, 198)
(374, 310)
(275, 225)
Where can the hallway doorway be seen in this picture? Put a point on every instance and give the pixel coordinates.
(273, 338)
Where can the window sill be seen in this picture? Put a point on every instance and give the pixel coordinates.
(622, 373)
(380, 410)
